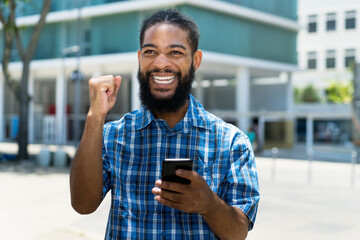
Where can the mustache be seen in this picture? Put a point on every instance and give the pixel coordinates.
(156, 70)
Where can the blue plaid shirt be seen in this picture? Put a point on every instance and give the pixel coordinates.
(133, 150)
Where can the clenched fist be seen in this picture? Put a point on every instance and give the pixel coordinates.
(103, 91)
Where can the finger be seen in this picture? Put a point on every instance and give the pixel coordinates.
(102, 84)
(169, 196)
(174, 187)
(188, 174)
(155, 190)
(108, 85)
(176, 205)
(117, 80)
(158, 183)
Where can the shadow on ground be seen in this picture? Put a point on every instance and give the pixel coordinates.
(30, 167)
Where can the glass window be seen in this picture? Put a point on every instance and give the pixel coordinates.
(349, 57)
(350, 20)
(312, 23)
(311, 62)
(331, 22)
(330, 59)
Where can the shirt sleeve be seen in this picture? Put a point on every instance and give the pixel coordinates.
(106, 164)
(241, 186)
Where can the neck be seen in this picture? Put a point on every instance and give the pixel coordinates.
(173, 118)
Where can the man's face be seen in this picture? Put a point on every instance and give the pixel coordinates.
(166, 67)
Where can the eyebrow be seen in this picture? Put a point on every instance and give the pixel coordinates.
(178, 46)
(148, 45)
(171, 46)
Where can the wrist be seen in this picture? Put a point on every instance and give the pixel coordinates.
(213, 207)
(95, 119)
(98, 117)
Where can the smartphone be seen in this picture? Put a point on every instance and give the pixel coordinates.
(170, 165)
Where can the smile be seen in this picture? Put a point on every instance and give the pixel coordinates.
(164, 80)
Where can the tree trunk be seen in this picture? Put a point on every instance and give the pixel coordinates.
(23, 137)
(24, 114)
(11, 33)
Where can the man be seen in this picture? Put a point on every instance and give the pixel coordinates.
(125, 156)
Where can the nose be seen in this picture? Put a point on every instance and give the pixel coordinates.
(161, 62)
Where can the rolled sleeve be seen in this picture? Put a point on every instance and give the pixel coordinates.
(106, 162)
(106, 174)
(242, 187)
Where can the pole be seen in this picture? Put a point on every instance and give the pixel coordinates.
(310, 154)
(354, 155)
(77, 99)
(356, 121)
(274, 152)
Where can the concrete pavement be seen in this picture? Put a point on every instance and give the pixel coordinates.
(302, 200)
(35, 204)
(299, 200)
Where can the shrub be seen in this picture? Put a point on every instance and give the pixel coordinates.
(339, 92)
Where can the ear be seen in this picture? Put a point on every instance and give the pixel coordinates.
(139, 54)
(197, 57)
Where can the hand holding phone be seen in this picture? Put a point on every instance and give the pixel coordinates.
(170, 165)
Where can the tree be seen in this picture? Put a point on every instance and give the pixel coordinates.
(308, 94)
(12, 34)
(339, 92)
(297, 95)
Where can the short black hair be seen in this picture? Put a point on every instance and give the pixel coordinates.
(173, 16)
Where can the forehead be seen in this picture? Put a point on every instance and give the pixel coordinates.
(166, 33)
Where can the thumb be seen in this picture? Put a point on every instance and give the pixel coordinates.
(117, 80)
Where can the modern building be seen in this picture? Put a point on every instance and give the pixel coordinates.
(328, 41)
(249, 54)
(328, 44)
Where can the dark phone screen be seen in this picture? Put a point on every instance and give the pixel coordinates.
(169, 166)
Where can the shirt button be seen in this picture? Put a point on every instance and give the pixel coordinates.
(206, 169)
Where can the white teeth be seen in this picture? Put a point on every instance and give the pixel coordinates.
(164, 80)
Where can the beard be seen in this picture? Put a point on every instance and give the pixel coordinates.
(174, 102)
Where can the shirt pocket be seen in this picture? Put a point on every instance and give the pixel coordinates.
(126, 166)
(204, 169)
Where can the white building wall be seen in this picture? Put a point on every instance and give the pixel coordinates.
(322, 40)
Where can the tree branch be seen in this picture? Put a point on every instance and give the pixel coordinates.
(15, 28)
(39, 26)
(8, 25)
(2, 18)
(12, 84)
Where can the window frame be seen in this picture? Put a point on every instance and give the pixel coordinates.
(330, 22)
(330, 60)
(350, 19)
(350, 56)
(312, 23)
(311, 60)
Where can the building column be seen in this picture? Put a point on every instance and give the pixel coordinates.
(199, 91)
(2, 107)
(61, 114)
(289, 93)
(211, 94)
(31, 125)
(291, 136)
(135, 87)
(309, 135)
(242, 94)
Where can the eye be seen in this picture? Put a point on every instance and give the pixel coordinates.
(176, 53)
(149, 52)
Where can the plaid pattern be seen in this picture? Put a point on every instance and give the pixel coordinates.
(133, 150)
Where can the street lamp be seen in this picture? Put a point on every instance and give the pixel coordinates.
(77, 76)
